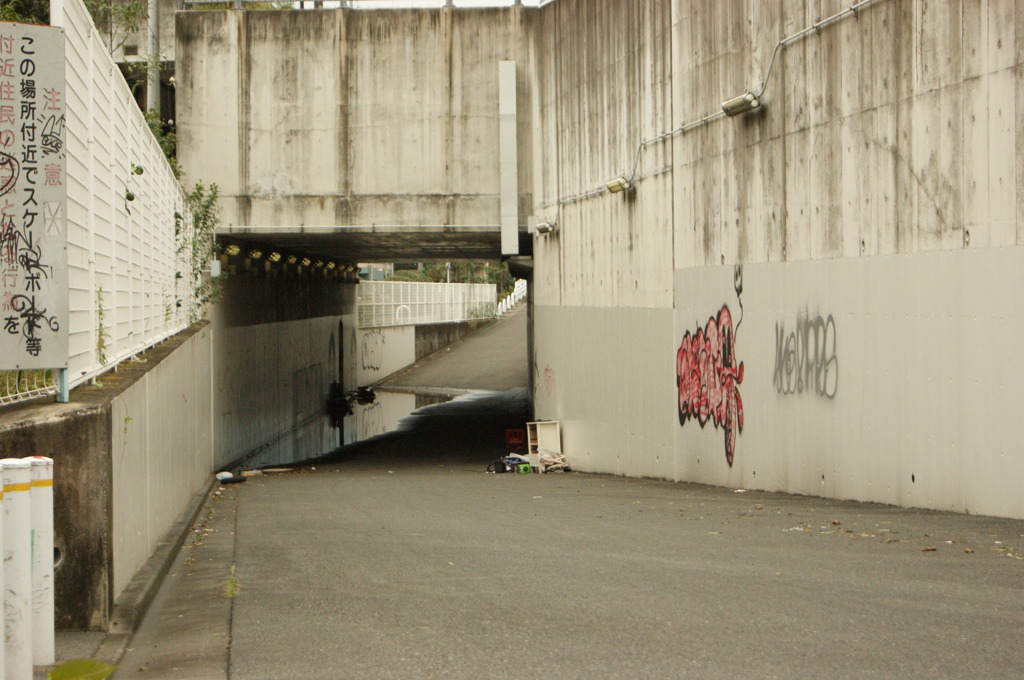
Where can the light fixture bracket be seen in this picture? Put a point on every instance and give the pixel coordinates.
(619, 184)
(748, 101)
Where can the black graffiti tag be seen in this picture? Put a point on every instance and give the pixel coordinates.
(10, 170)
(372, 350)
(29, 321)
(805, 357)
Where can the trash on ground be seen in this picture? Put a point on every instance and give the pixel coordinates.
(551, 461)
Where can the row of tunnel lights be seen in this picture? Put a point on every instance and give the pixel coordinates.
(255, 254)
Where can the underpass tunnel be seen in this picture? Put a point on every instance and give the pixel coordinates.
(294, 365)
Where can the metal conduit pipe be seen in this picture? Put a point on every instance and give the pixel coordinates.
(685, 127)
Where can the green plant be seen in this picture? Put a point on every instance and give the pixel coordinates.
(118, 20)
(198, 245)
(25, 11)
(231, 587)
(102, 336)
(166, 138)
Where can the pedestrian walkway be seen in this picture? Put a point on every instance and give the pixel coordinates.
(406, 560)
(400, 557)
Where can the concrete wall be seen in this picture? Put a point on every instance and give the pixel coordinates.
(877, 189)
(340, 117)
(382, 351)
(871, 209)
(162, 451)
(131, 453)
(279, 347)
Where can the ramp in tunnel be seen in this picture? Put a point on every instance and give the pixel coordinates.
(459, 402)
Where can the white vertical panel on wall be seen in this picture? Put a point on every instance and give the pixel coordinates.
(888, 379)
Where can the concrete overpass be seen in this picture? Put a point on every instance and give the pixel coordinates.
(381, 243)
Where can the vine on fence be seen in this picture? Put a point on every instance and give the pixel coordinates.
(197, 244)
(101, 328)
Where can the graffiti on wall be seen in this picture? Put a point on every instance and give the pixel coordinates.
(805, 356)
(708, 374)
(371, 351)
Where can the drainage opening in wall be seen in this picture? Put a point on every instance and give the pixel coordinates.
(58, 558)
(912, 479)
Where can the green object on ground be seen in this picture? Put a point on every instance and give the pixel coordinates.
(81, 669)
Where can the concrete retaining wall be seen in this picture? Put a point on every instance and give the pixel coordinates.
(162, 451)
(872, 207)
(280, 346)
(131, 452)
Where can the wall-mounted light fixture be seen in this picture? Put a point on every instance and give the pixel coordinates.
(274, 257)
(306, 261)
(291, 259)
(232, 249)
(748, 101)
(619, 184)
(331, 265)
(255, 253)
(545, 228)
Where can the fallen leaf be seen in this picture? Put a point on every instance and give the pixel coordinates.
(968, 550)
(928, 548)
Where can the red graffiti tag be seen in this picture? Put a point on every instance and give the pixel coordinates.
(707, 376)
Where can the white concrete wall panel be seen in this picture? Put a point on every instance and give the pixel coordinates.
(382, 351)
(272, 383)
(878, 188)
(608, 251)
(208, 80)
(162, 444)
(862, 378)
(599, 372)
(342, 117)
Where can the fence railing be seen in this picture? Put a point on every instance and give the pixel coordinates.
(399, 303)
(518, 295)
(129, 275)
(26, 543)
(356, 4)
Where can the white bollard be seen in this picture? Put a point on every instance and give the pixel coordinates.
(2, 553)
(43, 649)
(17, 474)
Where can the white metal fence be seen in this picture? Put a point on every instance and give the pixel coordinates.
(397, 303)
(129, 274)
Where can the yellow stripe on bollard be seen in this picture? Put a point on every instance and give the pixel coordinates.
(10, 488)
(42, 482)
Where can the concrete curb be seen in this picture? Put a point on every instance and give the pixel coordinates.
(134, 601)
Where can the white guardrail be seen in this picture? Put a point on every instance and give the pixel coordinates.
(518, 295)
(402, 303)
(26, 580)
